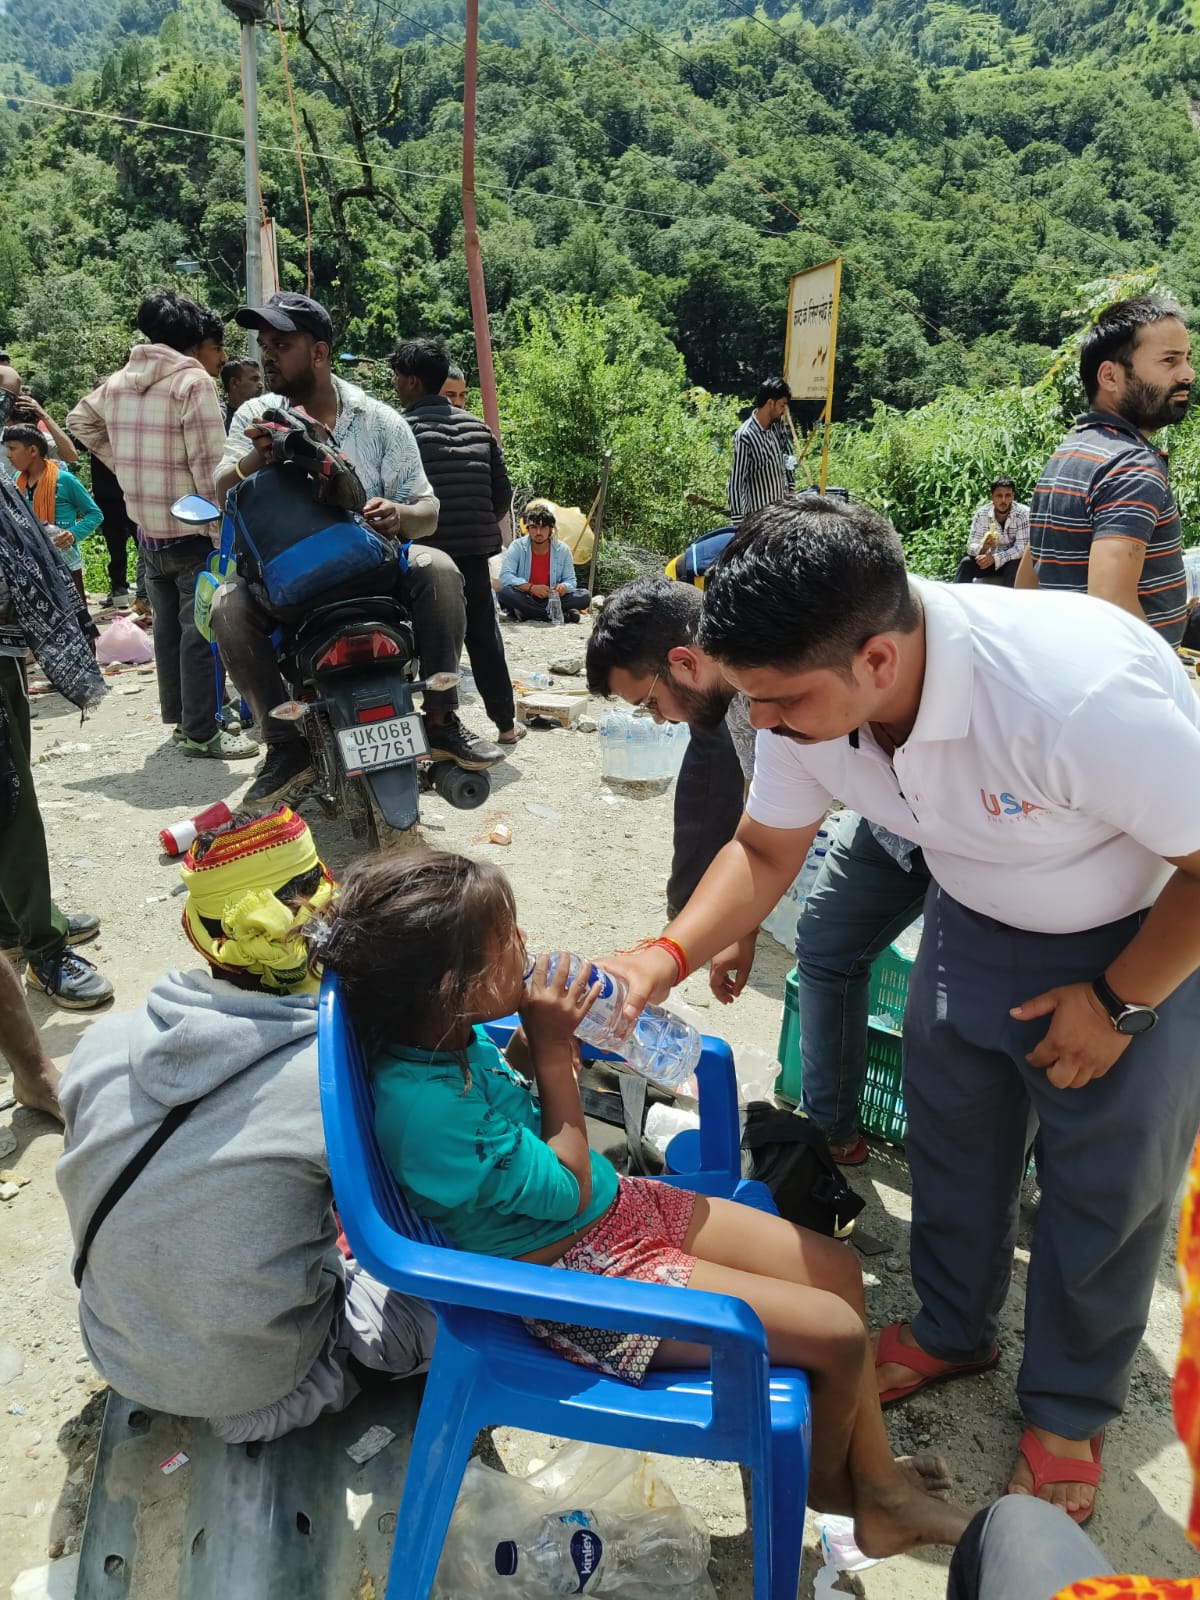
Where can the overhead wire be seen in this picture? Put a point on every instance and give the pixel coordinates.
(394, 12)
(353, 161)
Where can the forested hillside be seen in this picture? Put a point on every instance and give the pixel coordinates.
(668, 182)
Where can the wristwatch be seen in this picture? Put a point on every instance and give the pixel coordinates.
(1125, 1018)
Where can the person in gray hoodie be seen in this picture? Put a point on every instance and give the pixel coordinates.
(215, 1286)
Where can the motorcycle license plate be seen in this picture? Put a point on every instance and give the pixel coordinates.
(371, 746)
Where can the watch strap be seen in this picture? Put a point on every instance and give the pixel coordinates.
(1108, 998)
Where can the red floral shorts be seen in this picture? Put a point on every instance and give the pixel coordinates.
(637, 1237)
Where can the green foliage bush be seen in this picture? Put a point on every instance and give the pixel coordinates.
(581, 379)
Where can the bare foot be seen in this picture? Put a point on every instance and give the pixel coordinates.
(1075, 1497)
(39, 1094)
(926, 1472)
(900, 1517)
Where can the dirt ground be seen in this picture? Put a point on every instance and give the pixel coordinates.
(589, 865)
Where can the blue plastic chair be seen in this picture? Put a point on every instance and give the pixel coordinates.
(487, 1370)
(707, 1159)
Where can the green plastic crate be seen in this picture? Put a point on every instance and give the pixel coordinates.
(881, 1107)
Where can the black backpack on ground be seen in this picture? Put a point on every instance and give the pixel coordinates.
(790, 1154)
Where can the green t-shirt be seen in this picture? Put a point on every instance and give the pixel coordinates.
(471, 1160)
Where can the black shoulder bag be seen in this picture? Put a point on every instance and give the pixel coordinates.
(175, 1118)
(790, 1154)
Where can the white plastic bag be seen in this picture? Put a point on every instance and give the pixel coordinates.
(839, 1554)
(123, 641)
(756, 1071)
(491, 1504)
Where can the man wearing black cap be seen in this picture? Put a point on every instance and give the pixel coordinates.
(295, 338)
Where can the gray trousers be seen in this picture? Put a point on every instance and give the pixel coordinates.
(1113, 1156)
(377, 1327)
(183, 661)
(1022, 1549)
(432, 589)
(862, 899)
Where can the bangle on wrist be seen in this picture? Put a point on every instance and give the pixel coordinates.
(237, 467)
(673, 948)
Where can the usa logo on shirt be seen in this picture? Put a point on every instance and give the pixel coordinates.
(1006, 805)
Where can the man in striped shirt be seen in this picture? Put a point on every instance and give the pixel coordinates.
(1103, 518)
(763, 467)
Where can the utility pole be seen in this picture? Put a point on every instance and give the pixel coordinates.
(249, 14)
(479, 311)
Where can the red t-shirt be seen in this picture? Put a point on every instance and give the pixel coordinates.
(539, 567)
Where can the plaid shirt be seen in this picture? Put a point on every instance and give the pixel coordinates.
(1011, 539)
(157, 424)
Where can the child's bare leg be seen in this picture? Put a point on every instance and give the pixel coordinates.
(802, 1286)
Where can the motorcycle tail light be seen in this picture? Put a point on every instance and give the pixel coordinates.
(353, 649)
(374, 713)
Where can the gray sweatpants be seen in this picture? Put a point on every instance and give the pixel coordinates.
(1113, 1156)
(381, 1328)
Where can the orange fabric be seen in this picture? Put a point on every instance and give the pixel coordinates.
(1185, 1391)
(1185, 1398)
(43, 491)
(1132, 1588)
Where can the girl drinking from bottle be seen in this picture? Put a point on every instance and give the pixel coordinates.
(427, 949)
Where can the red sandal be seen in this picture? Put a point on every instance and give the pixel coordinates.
(929, 1369)
(1046, 1468)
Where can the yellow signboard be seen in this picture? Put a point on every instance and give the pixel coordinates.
(812, 330)
(811, 339)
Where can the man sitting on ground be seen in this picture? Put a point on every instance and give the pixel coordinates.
(534, 565)
(214, 1287)
(998, 539)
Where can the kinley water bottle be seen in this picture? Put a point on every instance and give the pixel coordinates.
(581, 1552)
(554, 607)
(661, 1046)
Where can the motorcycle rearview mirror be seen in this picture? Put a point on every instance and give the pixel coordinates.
(292, 710)
(444, 680)
(195, 510)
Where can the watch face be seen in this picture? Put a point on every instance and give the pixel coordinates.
(1136, 1019)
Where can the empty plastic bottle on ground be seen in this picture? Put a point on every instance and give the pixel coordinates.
(554, 608)
(662, 1047)
(583, 1552)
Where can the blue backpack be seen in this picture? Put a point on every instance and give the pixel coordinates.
(297, 551)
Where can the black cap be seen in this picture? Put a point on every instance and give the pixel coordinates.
(506, 1558)
(288, 313)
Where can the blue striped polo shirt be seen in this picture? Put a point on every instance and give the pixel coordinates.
(1105, 481)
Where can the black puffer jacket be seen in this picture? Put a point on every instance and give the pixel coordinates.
(463, 463)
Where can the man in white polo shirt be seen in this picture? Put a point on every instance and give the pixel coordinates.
(1044, 751)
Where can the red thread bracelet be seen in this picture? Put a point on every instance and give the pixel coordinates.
(677, 952)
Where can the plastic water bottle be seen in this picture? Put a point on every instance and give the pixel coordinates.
(781, 921)
(907, 944)
(580, 1552)
(661, 1046)
(554, 608)
(615, 745)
